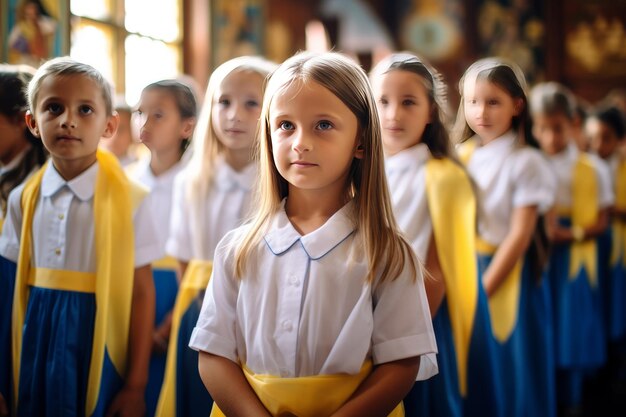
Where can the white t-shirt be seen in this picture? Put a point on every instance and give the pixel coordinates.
(304, 307)
(63, 225)
(508, 177)
(562, 165)
(225, 208)
(406, 176)
(161, 191)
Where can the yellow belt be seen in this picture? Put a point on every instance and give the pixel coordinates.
(310, 396)
(58, 279)
(167, 263)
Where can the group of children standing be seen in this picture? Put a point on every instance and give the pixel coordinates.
(312, 244)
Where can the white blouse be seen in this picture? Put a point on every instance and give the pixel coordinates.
(63, 225)
(562, 165)
(508, 177)
(225, 208)
(304, 307)
(161, 189)
(406, 176)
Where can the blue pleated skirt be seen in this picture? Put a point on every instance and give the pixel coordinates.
(440, 395)
(7, 286)
(166, 287)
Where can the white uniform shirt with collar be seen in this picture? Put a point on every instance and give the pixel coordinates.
(406, 176)
(304, 307)
(161, 190)
(225, 208)
(508, 177)
(63, 225)
(562, 165)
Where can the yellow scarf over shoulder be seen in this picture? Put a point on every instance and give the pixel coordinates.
(114, 200)
(452, 207)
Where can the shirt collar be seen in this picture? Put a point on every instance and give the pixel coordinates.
(143, 173)
(283, 235)
(505, 141)
(414, 156)
(226, 178)
(83, 186)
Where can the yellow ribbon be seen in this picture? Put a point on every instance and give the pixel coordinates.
(196, 279)
(585, 208)
(452, 207)
(167, 263)
(56, 279)
(309, 396)
(466, 149)
(114, 200)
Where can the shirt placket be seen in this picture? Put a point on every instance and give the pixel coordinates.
(57, 229)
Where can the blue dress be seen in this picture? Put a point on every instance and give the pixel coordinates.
(7, 286)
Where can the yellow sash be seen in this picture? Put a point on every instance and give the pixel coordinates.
(167, 263)
(114, 201)
(452, 207)
(585, 208)
(504, 303)
(466, 149)
(310, 396)
(619, 226)
(196, 279)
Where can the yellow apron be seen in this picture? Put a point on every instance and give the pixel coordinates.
(114, 201)
(310, 396)
(452, 207)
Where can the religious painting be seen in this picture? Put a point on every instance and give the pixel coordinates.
(236, 29)
(33, 30)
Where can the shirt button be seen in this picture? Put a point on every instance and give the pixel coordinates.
(293, 280)
(61, 216)
(286, 325)
(57, 251)
(284, 373)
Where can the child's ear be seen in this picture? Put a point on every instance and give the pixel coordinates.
(112, 123)
(31, 123)
(188, 125)
(519, 106)
(359, 152)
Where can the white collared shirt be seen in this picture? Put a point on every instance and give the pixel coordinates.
(63, 225)
(508, 177)
(562, 165)
(407, 185)
(304, 307)
(161, 189)
(225, 208)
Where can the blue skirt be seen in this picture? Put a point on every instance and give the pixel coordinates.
(526, 357)
(578, 317)
(166, 287)
(615, 288)
(56, 353)
(440, 395)
(192, 397)
(7, 286)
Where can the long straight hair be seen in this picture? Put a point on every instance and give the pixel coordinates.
(206, 147)
(387, 252)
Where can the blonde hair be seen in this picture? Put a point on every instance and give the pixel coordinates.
(64, 66)
(206, 146)
(387, 252)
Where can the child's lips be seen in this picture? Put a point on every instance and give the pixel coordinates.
(68, 138)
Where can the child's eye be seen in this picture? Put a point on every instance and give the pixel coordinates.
(472, 101)
(158, 115)
(224, 102)
(252, 103)
(383, 101)
(54, 108)
(408, 102)
(493, 102)
(324, 125)
(286, 125)
(85, 110)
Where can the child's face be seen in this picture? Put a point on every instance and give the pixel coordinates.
(12, 132)
(236, 109)
(161, 127)
(602, 139)
(403, 107)
(314, 137)
(489, 109)
(70, 117)
(552, 132)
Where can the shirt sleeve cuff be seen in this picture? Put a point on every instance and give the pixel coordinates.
(428, 367)
(147, 254)
(9, 250)
(173, 249)
(202, 340)
(406, 347)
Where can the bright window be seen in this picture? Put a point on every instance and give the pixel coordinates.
(132, 42)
